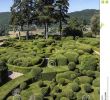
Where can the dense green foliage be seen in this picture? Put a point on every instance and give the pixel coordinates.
(65, 66)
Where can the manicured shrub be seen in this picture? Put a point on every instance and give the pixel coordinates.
(71, 66)
(66, 75)
(85, 79)
(23, 85)
(74, 86)
(62, 81)
(81, 52)
(90, 73)
(69, 94)
(11, 59)
(26, 61)
(72, 57)
(50, 41)
(61, 60)
(36, 72)
(42, 84)
(56, 89)
(45, 91)
(96, 82)
(87, 49)
(88, 62)
(88, 88)
(64, 98)
(41, 44)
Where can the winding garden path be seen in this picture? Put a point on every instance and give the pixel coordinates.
(15, 75)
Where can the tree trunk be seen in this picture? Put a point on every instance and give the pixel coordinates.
(46, 31)
(60, 28)
(19, 35)
(27, 33)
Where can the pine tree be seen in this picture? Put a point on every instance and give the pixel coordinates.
(45, 11)
(61, 9)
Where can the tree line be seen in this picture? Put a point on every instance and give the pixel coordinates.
(39, 12)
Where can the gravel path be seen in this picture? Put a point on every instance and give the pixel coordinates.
(14, 75)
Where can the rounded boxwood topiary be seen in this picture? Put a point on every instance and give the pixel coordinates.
(85, 79)
(88, 62)
(41, 44)
(61, 60)
(88, 88)
(69, 93)
(71, 66)
(72, 57)
(96, 82)
(75, 87)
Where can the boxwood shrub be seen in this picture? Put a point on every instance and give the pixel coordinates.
(72, 57)
(71, 66)
(88, 62)
(85, 79)
(88, 88)
(96, 82)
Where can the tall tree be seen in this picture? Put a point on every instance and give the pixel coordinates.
(45, 11)
(95, 24)
(22, 11)
(61, 9)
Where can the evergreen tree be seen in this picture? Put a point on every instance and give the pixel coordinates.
(45, 11)
(61, 9)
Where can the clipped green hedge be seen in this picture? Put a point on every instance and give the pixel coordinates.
(23, 69)
(60, 59)
(85, 79)
(72, 56)
(88, 62)
(8, 87)
(96, 82)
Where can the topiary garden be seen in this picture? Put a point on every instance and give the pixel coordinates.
(52, 69)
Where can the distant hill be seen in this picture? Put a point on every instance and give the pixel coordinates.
(85, 14)
(4, 18)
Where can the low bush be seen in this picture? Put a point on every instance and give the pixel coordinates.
(88, 62)
(86, 48)
(45, 91)
(62, 81)
(74, 86)
(24, 61)
(69, 94)
(71, 66)
(88, 88)
(41, 44)
(48, 76)
(72, 57)
(85, 79)
(50, 41)
(96, 82)
(61, 60)
(66, 75)
(64, 98)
